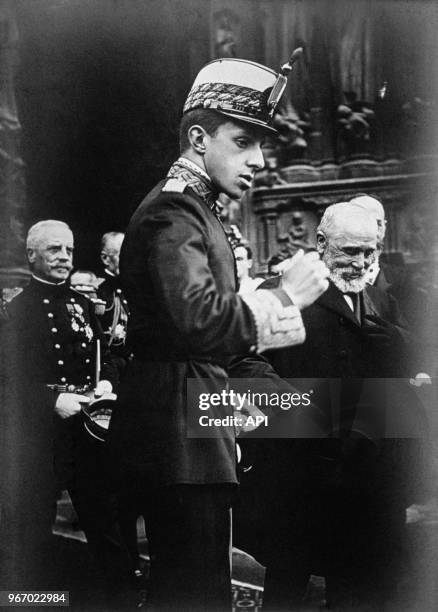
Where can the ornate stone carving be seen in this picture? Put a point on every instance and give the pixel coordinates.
(354, 119)
(226, 32)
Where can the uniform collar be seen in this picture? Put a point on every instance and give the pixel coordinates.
(111, 280)
(46, 282)
(198, 180)
(46, 288)
(196, 168)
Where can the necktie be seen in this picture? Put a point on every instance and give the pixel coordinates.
(355, 298)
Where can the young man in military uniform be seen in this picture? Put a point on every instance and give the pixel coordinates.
(187, 322)
(53, 331)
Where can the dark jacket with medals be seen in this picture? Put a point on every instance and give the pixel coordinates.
(49, 339)
(114, 320)
(52, 332)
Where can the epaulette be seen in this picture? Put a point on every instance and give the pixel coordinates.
(84, 295)
(174, 184)
(78, 292)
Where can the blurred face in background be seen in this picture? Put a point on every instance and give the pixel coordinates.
(243, 263)
(111, 253)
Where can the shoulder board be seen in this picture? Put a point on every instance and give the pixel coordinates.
(174, 184)
(84, 295)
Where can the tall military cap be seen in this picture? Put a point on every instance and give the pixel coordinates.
(240, 89)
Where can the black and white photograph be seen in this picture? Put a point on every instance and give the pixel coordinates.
(219, 305)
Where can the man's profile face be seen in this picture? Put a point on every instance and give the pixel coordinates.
(111, 254)
(348, 253)
(51, 258)
(232, 156)
(243, 264)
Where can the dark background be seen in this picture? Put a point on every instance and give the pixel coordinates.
(100, 85)
(99, 96)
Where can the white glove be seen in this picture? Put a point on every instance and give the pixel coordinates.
(103, 387)
(69, 404)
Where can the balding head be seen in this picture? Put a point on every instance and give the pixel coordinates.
(49, 247)
(347, 243)
(373, 206)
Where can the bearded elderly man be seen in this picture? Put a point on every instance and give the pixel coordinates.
(186, 324)
(343, 498)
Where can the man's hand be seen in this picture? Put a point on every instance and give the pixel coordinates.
(69, 404)
(305, 278)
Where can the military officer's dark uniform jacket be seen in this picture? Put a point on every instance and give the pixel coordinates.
(49, 339)
(186, 322)
(54, 331)
(114, 320)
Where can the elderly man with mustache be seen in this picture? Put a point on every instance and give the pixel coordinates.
(51, 339)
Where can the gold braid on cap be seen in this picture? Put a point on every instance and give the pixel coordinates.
(231, 98)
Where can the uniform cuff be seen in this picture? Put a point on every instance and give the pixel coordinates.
(277, 326)
(284, 297)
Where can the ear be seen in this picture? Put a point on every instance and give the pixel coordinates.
(104, 257)
(197, 137)
(31, 255)
(321, 242)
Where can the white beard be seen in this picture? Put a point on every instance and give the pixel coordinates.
(353, 285)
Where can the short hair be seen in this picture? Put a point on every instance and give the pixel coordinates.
(38, 229)
(346, 211)
(107, 237)
(209, 119)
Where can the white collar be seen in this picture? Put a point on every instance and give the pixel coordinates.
(46, 282)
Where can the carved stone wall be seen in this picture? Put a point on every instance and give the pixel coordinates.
(292, 211)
